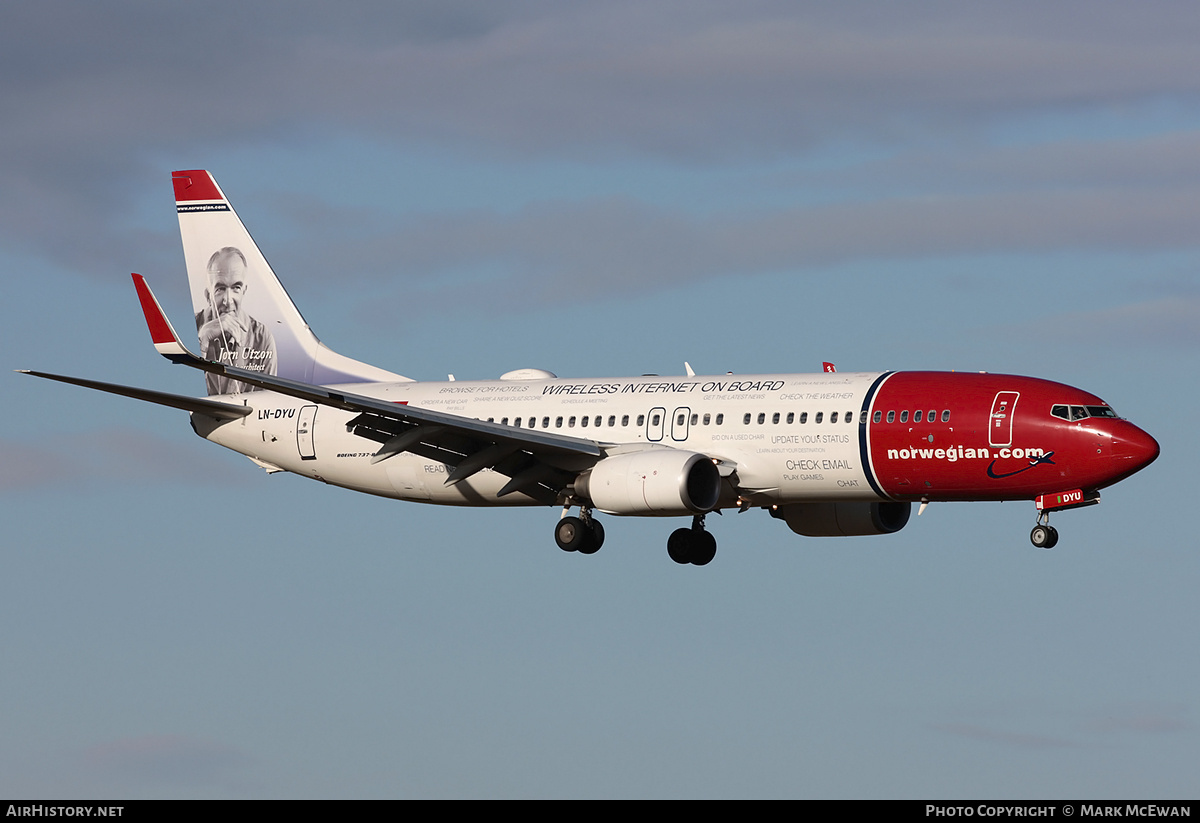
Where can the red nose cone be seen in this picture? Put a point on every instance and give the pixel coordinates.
(1133, 449)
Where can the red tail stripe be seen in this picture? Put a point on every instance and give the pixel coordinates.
(194, 185)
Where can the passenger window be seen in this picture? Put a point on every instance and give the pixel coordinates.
(833, 417)
(597, 421)
(720, 419)
(533, 422)
(641, 420)
(891, 417)
(624, 420)
(775, 417)
(695, 417)
(803, 418)
(707, 419)
(679, 420)
(932, 416)
(583, 421)
(558, 422)
(746, 419)
(654, 421)
(517, 422)
(545, 422)
(612, 420)
(571, 422)
(818, 417)
(917, 416)
(946, 416)
(762, 418)
(877, 417)
(503, 421)
(791, 418)
(904, 416)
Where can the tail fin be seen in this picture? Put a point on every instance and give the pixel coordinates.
(244, 318)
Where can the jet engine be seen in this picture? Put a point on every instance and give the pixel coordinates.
(843, 519)
(655, 481)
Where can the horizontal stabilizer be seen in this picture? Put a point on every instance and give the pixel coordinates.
(211, 408)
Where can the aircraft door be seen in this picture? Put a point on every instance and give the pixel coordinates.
(304, 432)
(1000, 424)
(679, 423)
(655, 421)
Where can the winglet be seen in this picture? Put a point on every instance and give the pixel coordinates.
(166, 341)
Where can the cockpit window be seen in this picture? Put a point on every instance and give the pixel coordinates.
(1081, 412)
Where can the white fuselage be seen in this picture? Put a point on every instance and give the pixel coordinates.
(792, 437)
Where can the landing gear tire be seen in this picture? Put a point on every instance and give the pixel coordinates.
(679, 546)
(694, 545)
(704, 548)
(595, 537)
(1044, 537)
(571, 534)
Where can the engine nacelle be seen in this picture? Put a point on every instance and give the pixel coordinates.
(843, 519)
(655, 481)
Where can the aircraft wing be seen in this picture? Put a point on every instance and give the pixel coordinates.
(213, 408)
(538, 463)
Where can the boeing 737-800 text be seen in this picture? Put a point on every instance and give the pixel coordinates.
(828, 453)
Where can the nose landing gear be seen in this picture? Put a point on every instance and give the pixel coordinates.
(1044, 536)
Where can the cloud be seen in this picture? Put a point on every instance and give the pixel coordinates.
(1015, 739)
(1159, 161)
(26, 467)
(97, 97)
(1170, 321)
(1117, 719)
(94, 459)
(616, 246)
(1141, 719)
(166, 760)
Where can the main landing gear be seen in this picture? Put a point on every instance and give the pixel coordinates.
(694, 545)
(583, 534)
(1044, 536)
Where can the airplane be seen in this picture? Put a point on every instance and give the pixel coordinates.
(830, 453)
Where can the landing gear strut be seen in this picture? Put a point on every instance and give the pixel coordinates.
(694, 545)
(1044, 536)
(583, 534)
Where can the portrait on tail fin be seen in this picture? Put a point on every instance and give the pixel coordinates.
(244, 317)
(227, 333)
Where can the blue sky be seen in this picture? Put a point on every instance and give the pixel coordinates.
(599, 189)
